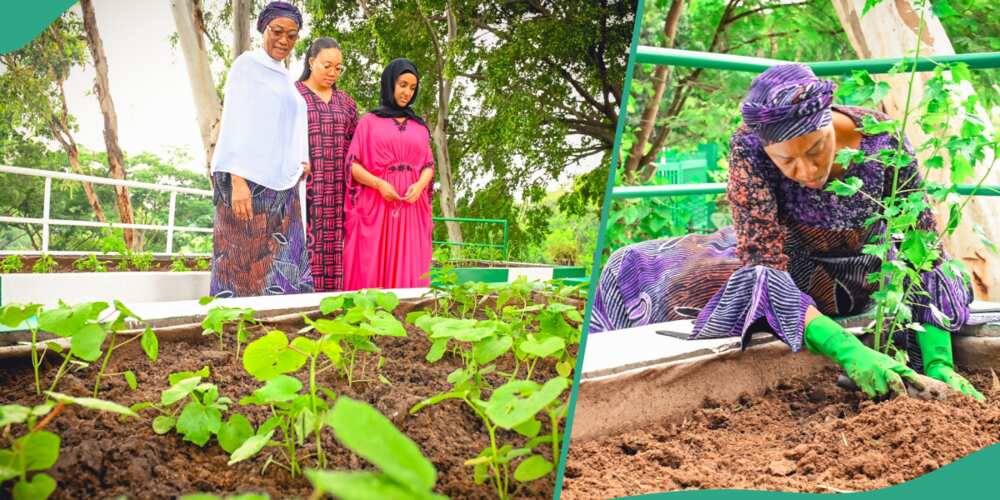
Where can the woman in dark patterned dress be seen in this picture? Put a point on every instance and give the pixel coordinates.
(332, 119)
(793, 255)
(258, 240)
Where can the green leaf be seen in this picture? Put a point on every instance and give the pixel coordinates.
(331, 304)
(251, 447)
(174, 378)
(93, 404)
(548, 347)
(13, 414)
(198, 423)
(529, 428)
(384, 324)
(131, 380)
(40, 487)
(847, 157)
(86, 342)
(564, 368)
(847, 187)
(366, 432)
(387, 300)
(532, 468)
(413, 316)
(40, 450)
(12, 315)
(269, 356)
(942, 8)
(65, 321)
(179, 391)
(871, 126)
(206, 300)
(433, 400)
(234, 433)
(362, 486)
(490, 349)
(162, 424)
(437, 350)
(277, 390)
(150, 344)
(515, 402)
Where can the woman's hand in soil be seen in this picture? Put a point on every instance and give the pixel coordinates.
(242, 199)
(935, 349)
(955, 381)
(875, 373)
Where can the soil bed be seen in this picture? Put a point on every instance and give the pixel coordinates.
(64, 263)
(103, 456)
(804, 435)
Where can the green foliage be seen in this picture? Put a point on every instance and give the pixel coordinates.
(90, 263)
(11, 264)
(218, 317)
(44, 264)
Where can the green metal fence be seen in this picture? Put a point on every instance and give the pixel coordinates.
(504, 247)
(709, 60)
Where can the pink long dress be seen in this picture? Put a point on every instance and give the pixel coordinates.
(387, 244)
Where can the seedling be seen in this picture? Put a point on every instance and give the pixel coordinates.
(179, 265)
(38, 449)
(142, 261)
(44, 264)
(220, 316)
(11, 264)
(90, 263)
(403, 471)
(200, 417)
(203, 264)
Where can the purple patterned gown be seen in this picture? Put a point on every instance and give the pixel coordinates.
(789, 247)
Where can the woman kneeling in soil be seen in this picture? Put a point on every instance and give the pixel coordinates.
(793, 255)
(388, 206)
(258, 241)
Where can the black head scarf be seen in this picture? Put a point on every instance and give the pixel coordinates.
(275, 10)
(388, 107)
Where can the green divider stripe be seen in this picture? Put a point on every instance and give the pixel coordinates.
(972, 476)
(568, 272)
(484, 274)
(25, 20)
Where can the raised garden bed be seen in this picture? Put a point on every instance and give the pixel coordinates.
(804, 434)
(106, 455)
(84, 263)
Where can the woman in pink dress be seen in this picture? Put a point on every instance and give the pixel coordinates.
(387, 210)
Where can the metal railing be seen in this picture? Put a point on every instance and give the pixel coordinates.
(504, 247)
(46, 221)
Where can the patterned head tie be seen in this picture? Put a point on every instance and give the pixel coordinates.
(787, 101)
(275, 10)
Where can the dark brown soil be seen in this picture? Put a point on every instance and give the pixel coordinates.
(806, 435)
(64, 263)
(102, 456)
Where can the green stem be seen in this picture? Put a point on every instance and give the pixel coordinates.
(554, 421)
(34, 360)
(61, 371)
(531, 369)
(104, 365)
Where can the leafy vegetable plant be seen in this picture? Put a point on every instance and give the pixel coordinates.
(44, 264)
(90, 263)
(11, 264)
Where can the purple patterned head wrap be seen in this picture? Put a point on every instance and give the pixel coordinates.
(787, 101)
(275, 10)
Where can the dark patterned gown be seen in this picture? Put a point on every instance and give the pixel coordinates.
(331, 128)
(789, 247)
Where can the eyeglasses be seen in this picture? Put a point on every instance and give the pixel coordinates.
(291, 36)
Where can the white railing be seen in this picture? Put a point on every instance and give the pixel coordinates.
(46, 221)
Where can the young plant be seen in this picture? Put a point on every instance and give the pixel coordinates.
(38, 449)
(218, 317)
(362, 315)
(203, 264)
(44, 264)
(179, 265)
(12, 316)
(90, 263)
(403, 470)
(142, 261)
(11, 264)
(200, 417)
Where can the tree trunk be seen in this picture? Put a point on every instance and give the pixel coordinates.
(241, 27)
(890, 30)
(648, 120)
(58, 124)
(440, 132)
(116, 160)
(190, 21)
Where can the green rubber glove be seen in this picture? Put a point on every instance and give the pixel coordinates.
(875, 373)
(935, 347)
